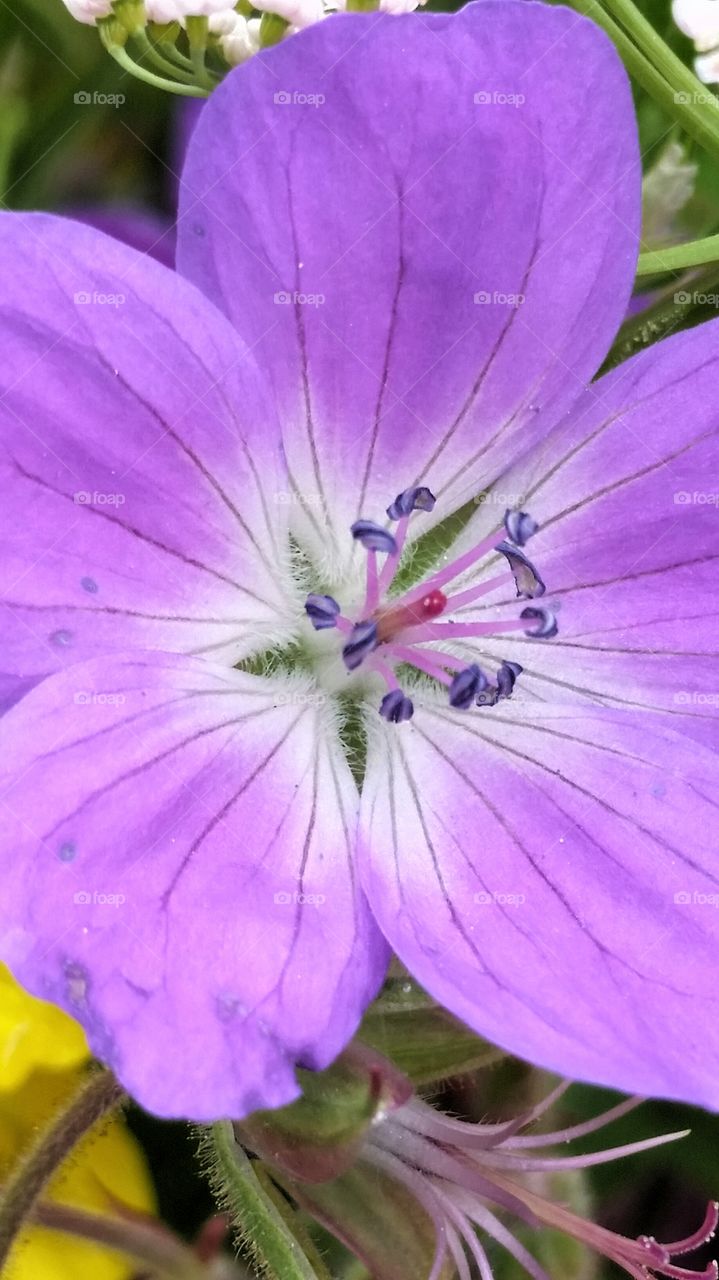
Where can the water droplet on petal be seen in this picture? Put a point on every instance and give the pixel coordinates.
(89, 584)
(67, 851)
(61, 638)
(198, 229)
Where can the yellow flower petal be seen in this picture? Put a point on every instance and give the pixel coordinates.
(34, 1034)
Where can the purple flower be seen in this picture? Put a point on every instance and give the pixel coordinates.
(461, 1173)
(404, 247)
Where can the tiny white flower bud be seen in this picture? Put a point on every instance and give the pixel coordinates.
(177, 10)
(400, 6)
(299, 13)
(89, 10)
(239, 39)
(698, 19)
(707, 67)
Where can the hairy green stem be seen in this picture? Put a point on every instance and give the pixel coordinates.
(98, 1095)
(261, 1218)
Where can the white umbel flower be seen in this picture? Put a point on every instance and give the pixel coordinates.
(238, 37)
(178, 10)
(89, 10)
(707, 67)
(698, 19)
(299, 13)
(387, 6)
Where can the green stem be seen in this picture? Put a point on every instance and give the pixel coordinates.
(122, 57)
(99, 1094)
(254, 1214)
(646, 74)
(158, 60)
(662, 317)
(197, 34)
(697, 253)
(661, 56)
(148, 1243)
(173, 55)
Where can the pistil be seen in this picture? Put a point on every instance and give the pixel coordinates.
(386, 632)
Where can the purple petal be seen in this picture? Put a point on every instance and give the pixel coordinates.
(140, 470)
(552, 879)
(429, 264)
(177, 874)
(627, 498)
(141, 228)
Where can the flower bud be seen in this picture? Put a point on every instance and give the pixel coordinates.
(317, 1138)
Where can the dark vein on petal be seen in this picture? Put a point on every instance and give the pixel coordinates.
(101, 514)
(557, 775)
(620, 484)
(389, 346)
(229, 804)
(139, 769)
(487, 367)
(606, 952)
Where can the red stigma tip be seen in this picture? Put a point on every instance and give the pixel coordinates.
(431, 605)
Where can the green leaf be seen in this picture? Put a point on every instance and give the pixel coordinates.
(422, 1040)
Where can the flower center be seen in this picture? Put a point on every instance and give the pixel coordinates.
(386, 633)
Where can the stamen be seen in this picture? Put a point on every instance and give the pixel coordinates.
(399, 628)
(322, 611)
(373, 537)
(520, 526)
(419, 498)
(526, 579)
(416, 499)
(457, 630)
(506, 678)
(483, 589)
(373, 589)
(396, 707)
(465, 687)
(454, 569)
(427, 660)
(547, 620)
(362, 641)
